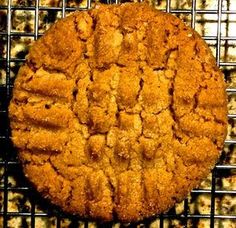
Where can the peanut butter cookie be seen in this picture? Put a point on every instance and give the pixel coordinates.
(118, 112)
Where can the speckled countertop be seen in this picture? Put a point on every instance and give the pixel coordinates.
(198, 202)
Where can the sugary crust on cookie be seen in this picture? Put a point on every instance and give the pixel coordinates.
(118, 112)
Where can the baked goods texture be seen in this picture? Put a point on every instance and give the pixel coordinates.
(118, 112)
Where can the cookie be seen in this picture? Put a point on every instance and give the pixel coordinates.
(118, 112)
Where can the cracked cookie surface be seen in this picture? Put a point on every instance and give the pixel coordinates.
(118, 112)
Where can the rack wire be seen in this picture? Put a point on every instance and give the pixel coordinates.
(212, 205)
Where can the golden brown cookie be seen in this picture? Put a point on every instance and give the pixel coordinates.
(118, 112)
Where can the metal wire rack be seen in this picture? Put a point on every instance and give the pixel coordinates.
(22, 21)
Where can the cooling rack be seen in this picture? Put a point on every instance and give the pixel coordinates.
(23, 21)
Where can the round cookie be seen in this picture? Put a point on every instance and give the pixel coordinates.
(118, 112)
